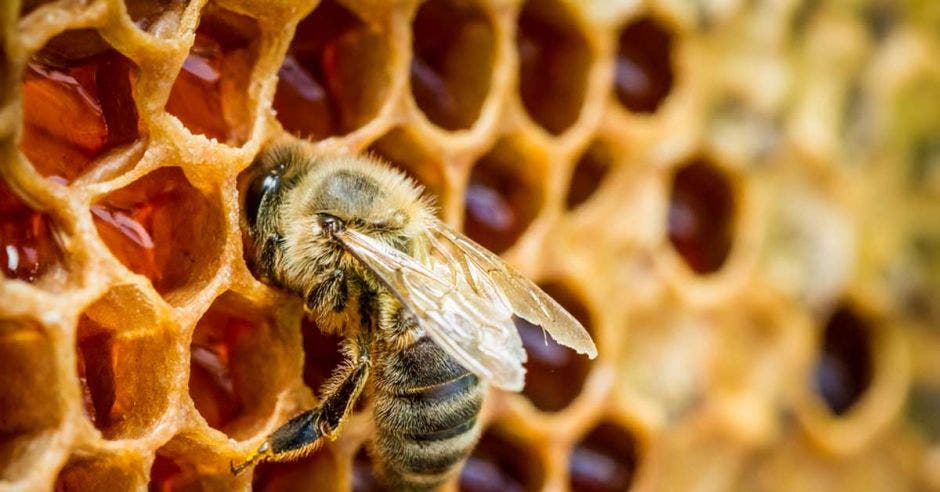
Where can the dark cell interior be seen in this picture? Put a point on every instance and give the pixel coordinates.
(555, 374)
(605, 460)
(28, 246)
(210, 94)
(644, 73)
(78, 104)
(321, 355)
(554, 59)
(500, 465)
(165, 475)
(701, 215)
(588, 174)
(162, 227)
(844, 368)
(502, 198)
(333, 78)
(453, 45)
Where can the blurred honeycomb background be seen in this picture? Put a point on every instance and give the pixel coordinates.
(739, 198)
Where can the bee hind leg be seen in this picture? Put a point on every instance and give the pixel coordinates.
(301, 434)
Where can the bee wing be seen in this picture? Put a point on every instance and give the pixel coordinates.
(486, 272)
(476, 331)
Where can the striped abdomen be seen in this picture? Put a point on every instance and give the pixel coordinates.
(426, 407)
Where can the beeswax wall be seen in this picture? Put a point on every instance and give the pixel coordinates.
(738, 198)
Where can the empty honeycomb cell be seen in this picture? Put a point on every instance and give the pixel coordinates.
(319, 471)
(844, 369)
(589, 172)
(333, 79)
(162, 227)
(701, 215)
(160, 17)
(401, 149)
(28, 245)
(210, 94)
(96, 475)
(78, 104)
(363, 477)
(644, 73)
(452, 61)
(321, 355)
(31, 404)
(498, 464)
(233, 380)
(123, 355)
(605, 460)
(555, 374)
(164, 474)
(504, 195)
(554, 60)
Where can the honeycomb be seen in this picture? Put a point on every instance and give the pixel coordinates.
(738, 198)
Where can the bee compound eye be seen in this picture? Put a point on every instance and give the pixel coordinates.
(330, 223)
(255, 193)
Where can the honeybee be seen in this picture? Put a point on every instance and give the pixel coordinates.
(426, 313)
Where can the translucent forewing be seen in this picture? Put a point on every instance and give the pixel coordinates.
(489, 273)
(476, 331)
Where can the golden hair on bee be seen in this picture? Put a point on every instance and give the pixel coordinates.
(426, 312)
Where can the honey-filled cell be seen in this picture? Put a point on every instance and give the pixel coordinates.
(503, 196)
(844, 368)
(554, 60)
(165, 474)
(452, 61)
(555, 374)
(31, 404)
(333, 79)
(702, 215)
(233, 379)
(210, 94)
(123, 355)
(28, 245)
(78, 104)
(644, 73)
(498, 464)
(604, 460)
(162, 227)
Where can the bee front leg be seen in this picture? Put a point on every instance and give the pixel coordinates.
(301, 435)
